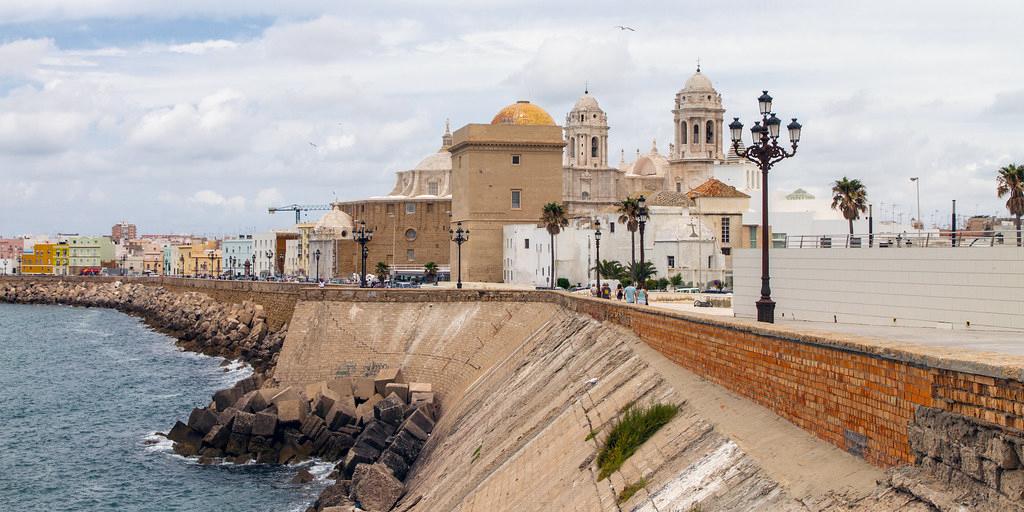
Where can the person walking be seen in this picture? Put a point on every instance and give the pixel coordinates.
(606, 291)
(618, 291)
(641, 296)
(630, 294)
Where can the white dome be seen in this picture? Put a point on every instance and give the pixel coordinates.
(336, 222)
(586, 102)
(698, 82)
(440, 161)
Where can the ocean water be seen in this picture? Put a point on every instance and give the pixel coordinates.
(82, 393)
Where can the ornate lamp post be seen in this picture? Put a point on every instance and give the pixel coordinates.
(270, 263)
(211, 265)
(459, 236)
(254, 265)
(362, 236)
(597, 250)
(317, 256)
(641, 217)
(765, 151)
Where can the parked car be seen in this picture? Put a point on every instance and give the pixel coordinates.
(686, 290)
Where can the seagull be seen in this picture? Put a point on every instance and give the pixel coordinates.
(622, 27)
(314, 145)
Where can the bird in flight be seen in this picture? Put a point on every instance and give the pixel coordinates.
(314, 145)
(623, 27)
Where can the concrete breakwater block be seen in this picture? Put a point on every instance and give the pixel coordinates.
(375, 438)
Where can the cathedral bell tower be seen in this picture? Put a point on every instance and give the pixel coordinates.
(698, 121)
(586, 135)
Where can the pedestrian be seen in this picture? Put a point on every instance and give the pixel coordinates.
(641, 295)
(606, 291)
(630, 294)
(618, 291)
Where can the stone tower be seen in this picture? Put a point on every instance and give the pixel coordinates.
(586, 135)
(697, 117)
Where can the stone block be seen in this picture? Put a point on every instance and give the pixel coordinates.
(420, 387)
(395, 463)
(990, 473)
(226, 398)
(325, 401)
(288, 393)
(343, 413)
(342, 386)
(237, 444)
(264, 424)
(363, 388)
(202, 420)
(313, 389)
(375, 488)
(402, 390)
(357, 455)
(385, 377)
(290, 412)
(422, 419)
(243, 423)
(218, 436)
(415, 430)
(390, 410)
(1011, 483)
(364, 413)
(970, 463)
(374, 436)
(407, 446)
(1000, 451)
(421, 398)
(183, 434)
(311, 425)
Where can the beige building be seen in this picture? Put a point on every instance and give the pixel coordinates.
(502, 173)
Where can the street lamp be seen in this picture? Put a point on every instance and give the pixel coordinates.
(270, 263)
(459, 236)
(124, 265)
(317, 256)
(211, 265)
(597, 251)
(641, 217)
(362, 236)
(254, 265)
(765, 151)
(919, 223)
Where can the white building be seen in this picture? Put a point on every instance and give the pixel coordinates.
(292, 258)
(264, 246)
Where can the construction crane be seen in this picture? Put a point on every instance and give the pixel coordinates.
(298, 209)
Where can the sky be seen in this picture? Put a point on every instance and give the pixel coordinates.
(195, 116)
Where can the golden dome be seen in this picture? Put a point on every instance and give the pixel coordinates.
(523, 113)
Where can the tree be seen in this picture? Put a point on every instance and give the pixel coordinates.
(609, 269)
(851, 198)
(430, 271)
(639, 274)
(676, 281)
(554, 219)
(382, 271)
(1010, 182)
(629, 213)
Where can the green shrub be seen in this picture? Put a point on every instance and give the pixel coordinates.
(663, 284)
(563, 283)
(676, 280)
(651, 284)
(631, 489)
(632, 429)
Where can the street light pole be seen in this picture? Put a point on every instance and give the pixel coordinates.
(362, 236)
(641, 217)
(597, 252)
(920, 223)
(459, 236)
(765, 151)
(317, 255)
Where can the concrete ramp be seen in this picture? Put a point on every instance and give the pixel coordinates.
(522, 387)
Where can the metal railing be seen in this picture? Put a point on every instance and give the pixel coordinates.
(897, 240)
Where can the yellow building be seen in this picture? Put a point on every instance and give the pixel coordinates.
(46, 259)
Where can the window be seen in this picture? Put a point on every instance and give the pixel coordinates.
(585, 195)
(725, 230)
(709, 132)
(753, 236)
(410, 254)
(682, 131)
(696, 133)
(410, 208)
(515, 159)
(671, 262)
(517, 199)
(593, 147)
(679, 186)
(430, 207)
(390, 209)
(611, 227)
(527, 240)
(410, 234)
(432, 188)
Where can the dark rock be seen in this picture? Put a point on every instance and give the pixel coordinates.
(395, 463)
(225, 398)
(334, 495)
(237, 444)
(302, 477)
(311, 425)
(343, 413)
(390, 410)
(374, 436)
(324, 404)
(243, 422)
(385, 377)
(375, 488)
(202, 420)
(358, 455)
(264, 424)
(181, 433)
(218, 436)
(422, 419)
(407, 446)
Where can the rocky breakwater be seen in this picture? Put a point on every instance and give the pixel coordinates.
(200, 323)
(374, 427)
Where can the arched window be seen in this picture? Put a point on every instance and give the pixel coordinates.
(410, 234)
(585, 195)
(696, 133)
(709, 132)
(682, 130)
(593, 147)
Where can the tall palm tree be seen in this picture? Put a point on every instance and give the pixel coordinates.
(1011, 182)
(430, 271)
(382, 271)
(610, 269)
(641, 273)
(851, 198)
(554, 219)
(629, 212)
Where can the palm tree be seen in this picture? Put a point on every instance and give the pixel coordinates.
(382, 271)
(851, 198)
(641, 273)
(1011, 182)
(554, 219)
(609, 269)
(629, 211)
(430, 271)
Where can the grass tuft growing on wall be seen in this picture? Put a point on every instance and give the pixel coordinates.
(636, 425)
(630, 490)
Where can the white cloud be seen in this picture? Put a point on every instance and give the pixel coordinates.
(211, 198)
(200, 48)
(21, 57)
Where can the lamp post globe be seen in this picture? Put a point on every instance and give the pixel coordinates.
(765, 151)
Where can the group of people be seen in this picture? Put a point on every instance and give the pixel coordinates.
(631, 294)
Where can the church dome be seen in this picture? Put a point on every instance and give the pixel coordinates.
(698, 82)
(440, 161)
(335, 222)
(586, 102)
(523, 113)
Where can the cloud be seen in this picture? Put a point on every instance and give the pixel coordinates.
(21, 58)
(200, 48)
(39, 133)
(212, 128)
(211, 198)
